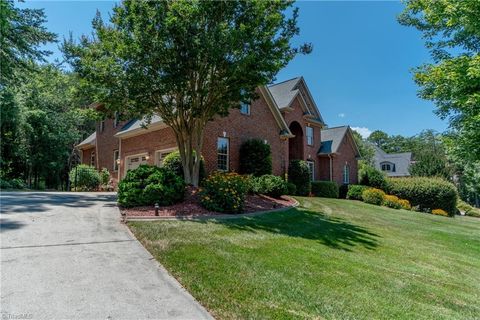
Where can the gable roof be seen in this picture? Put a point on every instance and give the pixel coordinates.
(332, 138)
(89, 142)
(285, 92)
(401, 160)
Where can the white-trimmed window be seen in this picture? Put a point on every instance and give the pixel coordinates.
(309, 134)
(346, 174)
(223, 154)
(116, 158)
(102, 125)
(311, 166)
(116, 119)
(161, 154)
(245, 108)
(92, 159)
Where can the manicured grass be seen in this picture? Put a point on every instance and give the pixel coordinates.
(328, 259)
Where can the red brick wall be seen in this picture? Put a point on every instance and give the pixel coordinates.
(310, 152)
(86, 154)
(260, 124)
(346, 155)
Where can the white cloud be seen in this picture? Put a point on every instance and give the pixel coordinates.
(342, 115)
(364, 132)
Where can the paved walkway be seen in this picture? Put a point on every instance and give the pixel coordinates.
(68, 256)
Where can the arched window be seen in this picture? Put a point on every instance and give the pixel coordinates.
(346, 174)
(387, 166)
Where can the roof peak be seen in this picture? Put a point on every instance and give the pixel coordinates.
(278, 83)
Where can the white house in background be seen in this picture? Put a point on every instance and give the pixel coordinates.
(393, 164)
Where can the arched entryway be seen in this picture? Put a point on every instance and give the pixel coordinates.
(295, 145)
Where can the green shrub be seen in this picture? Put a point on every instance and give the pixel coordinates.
(405, 204)
(5, 184)
(325, 189)
(467, 209)
(269, 185)
(173, 162)
(84, 178)
(291, 189)
(369, 176)
(426, 193)
(373, 196)
(342, 191)
(104, 176)
(392, 202)
(355, 191)
(255, 158)
(440, 212)
(224, 192)
(148, 185)
(299, 174)
(12, 184)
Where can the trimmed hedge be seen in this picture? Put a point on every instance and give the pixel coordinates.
(325, 189)
(255, 158)
(426, 193)
(148, 185)
(84, 178)
(299, 175)
(370, 176)
(173, 162)
(355, 191)
(269, 185)
(373, 196)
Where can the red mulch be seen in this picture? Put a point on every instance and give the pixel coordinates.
(191, 206)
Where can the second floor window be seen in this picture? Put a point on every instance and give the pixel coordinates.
(309, 136)
(222, 154)
(245, 108)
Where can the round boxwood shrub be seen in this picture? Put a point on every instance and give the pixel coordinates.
(373, 196)
(255, 158)
(84, 178)
(173, 162)
(291, 188)
(426, 193)
(269, 185)
(148, 185)
(224, 192)
(299, 174)
(325, 189)
(355, 191)
(370, 176)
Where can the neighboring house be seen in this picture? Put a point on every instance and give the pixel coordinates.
(285, 116)
(393, 164)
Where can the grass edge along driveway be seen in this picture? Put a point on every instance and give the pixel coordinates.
(329, 258)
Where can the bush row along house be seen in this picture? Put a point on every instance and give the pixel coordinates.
(284, 116)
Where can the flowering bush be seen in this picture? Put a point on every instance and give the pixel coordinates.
(405, 204)
(355, 191)
(373, 196)
(392, 202)
(440, 212)
(224, 192)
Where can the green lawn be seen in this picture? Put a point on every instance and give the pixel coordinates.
(328, 259)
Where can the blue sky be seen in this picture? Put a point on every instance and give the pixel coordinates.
(359, 72)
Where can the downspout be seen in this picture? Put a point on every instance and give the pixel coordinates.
(120, 159)
(331, 167)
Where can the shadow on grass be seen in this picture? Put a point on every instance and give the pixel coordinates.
(300, 223)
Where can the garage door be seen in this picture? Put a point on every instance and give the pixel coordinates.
(135, 161)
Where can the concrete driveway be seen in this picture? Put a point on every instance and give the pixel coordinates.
(67, 255)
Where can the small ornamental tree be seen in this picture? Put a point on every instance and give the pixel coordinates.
(186, 61)
(255, 158)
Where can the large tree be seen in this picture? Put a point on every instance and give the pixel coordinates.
(451, 29)
(186, 61)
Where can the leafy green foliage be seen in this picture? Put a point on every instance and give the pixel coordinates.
(224, 192)
(370, 176)
(373, 196)
(426, 193)
(269, 185)
(255, 158)
(452, 34)
(355, 191)
(104, 176)
(291, 188)
(392, 202)
(325, 189)
(211, 55)
(299, 174)
(367, 152)
(84, 178)
(173, 162)
(148, 185)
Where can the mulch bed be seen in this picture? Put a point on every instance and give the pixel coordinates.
(191, 206)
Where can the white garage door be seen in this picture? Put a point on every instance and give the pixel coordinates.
(135, 161)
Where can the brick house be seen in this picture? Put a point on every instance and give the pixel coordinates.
(285, 116)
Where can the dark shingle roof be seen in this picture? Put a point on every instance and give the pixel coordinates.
(331, 139)
(89, 141)
(284, 92)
